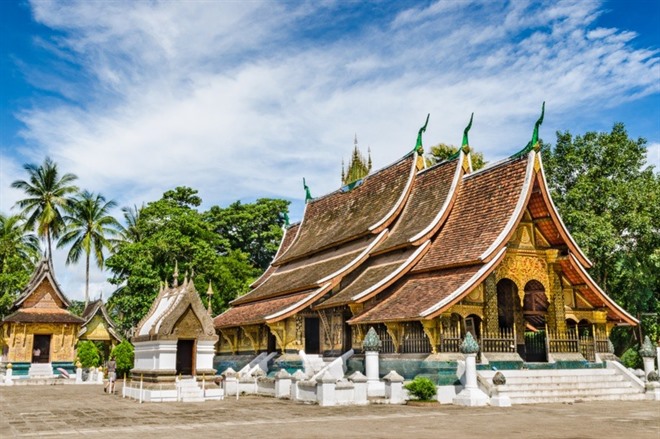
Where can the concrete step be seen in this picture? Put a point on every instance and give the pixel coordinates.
(564, 386)
(572, 393)
(584, 397)
(40, 370)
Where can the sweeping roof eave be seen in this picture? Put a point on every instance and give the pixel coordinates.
(44, 270)
(563, 230)
(468, 278)
(312, 275)
(269, 310)
(591, 284)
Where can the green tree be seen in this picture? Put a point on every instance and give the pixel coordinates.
(88, 354)
(254, 228)
(47, 196)
(443, 151)
(19, 252)
(610, 200)
(173, 230)
(124, 355)
(89, 230)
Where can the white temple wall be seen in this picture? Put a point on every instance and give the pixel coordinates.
(205, 354)
(156, 355)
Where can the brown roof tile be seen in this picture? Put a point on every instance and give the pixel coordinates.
(342, 216)
(256, 312)
(429, 192)
(33, 315)
(295, 277)
(366, 279)
(485, 202)
(415, 295)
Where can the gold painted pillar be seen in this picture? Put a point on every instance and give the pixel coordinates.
(556, 310)
(491, 316)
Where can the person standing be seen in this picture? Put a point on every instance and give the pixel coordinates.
(112, 375)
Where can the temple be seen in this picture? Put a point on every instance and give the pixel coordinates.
(40, 335)
(98, 326)
(426, 255)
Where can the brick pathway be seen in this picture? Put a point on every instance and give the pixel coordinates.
(85, 411)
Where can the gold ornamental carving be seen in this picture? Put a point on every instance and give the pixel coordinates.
(521, 269)
(432, 331)
(252, 333)
(396, 331)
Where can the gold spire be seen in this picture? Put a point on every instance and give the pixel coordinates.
(358, 166)
(209, 293)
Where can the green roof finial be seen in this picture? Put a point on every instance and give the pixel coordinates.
(308, 194)
(465, 133)
(418, 145)
(535, 135)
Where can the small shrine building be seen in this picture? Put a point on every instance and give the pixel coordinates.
(39, 336)
(425, 255)
(98, 326)
(176, 337)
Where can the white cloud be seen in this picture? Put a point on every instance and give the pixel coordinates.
(230, 98)
(653, 155)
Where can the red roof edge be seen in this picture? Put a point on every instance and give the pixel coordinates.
(594, 286)
(572, 245)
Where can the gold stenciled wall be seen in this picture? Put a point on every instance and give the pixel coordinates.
(19, 339)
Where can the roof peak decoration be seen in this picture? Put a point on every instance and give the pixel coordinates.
(534, 143)
(358, 166)
(308, 194)
(465, 142)
(419, 148)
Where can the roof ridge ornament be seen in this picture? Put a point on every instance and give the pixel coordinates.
(419, 148)
(175, 276)
(466, 143)
(308, 194)
(534, 143)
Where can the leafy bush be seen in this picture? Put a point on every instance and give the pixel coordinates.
(123, 355)
(632, 359)
(88, 354)
(422, 388)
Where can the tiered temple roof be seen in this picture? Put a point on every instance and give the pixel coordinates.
(92, 310)
(42, 301)
(417, 240)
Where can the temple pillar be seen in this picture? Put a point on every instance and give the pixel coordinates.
(491, 321)
(556, 311)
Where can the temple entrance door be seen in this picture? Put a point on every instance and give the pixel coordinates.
(185, 358)
(41, 348)
(312, 345)
(535, 308)
(272, 342)
(348, 337)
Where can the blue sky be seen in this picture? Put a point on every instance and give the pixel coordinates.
(240, 100)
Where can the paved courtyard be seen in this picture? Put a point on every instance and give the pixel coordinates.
(85, 411)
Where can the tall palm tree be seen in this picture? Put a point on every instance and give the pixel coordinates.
(19, 252)
(89, 229)
(16, 242)
(47, 196)
(131, 232)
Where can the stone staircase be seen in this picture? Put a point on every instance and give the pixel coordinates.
(189, 390)
(41, 370)
(564, 385)
(315, 363)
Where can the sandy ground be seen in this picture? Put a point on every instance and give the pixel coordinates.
(85, 411)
